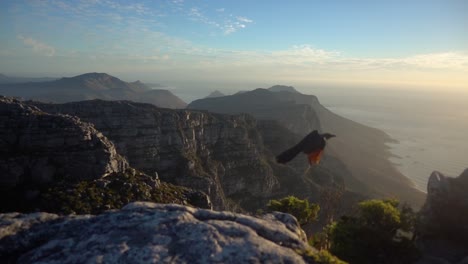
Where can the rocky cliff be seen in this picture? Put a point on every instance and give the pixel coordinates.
(153, 233)
(37, 148)
(443, 220)
(231, 158)
(220, 155)
(58, 163)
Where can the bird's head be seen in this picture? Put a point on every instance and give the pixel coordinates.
(327, 136)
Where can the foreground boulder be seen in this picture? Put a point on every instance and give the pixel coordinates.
(153, 233)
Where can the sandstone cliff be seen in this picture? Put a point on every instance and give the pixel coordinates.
(58, 163)
(231, 158)
(153, 233)
(217, 154)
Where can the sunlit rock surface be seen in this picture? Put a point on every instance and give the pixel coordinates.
(152, 233)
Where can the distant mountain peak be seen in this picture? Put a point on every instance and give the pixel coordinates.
(215, 93)
(92, 76)
(282, 88)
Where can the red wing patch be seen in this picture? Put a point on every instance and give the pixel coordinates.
(314, 157)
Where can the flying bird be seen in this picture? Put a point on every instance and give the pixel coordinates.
(312, 145)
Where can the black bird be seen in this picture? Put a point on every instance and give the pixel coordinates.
(312, 145)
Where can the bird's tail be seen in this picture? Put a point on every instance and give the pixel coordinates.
(289, 154)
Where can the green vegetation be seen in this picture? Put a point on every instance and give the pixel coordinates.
(112, 192)
(301, 209)
(375, 235)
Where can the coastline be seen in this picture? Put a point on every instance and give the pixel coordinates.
(366, 152)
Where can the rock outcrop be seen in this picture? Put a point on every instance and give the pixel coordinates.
(153, 233)
(443, 221)
(37, 148)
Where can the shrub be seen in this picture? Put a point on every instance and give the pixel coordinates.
(301, 209)
(372, 236)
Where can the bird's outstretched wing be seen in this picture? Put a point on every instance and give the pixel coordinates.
(289, 154)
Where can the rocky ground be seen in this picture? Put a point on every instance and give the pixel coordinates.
(153, 233)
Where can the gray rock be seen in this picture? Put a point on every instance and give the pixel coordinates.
(36, 147)
(152, 233)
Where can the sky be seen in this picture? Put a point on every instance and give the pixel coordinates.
(363, 42)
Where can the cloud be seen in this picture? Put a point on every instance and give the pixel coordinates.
(227, 24)
(444, 60)
(38, 47)
(244, 19)
(231, 26)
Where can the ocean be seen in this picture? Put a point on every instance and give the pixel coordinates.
(431, 127)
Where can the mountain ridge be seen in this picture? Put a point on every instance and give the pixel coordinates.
(90, 86)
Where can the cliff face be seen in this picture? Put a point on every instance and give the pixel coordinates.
(37, 148)
(231, 158)
(443, 220)
(153, 233)
(58, 163)
(220, 155)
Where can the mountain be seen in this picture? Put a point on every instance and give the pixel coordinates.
(362, 149)
(230, 158)
(282, 88)
(215, 94)
(92, 86)
(9, 79)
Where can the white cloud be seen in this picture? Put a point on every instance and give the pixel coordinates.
(227, 24)
(38, 46)
(443, 60)
(244, 19)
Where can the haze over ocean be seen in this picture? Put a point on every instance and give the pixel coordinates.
(431, 127)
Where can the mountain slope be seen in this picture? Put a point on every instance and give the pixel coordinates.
(215, 94)
(92, 86)
(362, 149)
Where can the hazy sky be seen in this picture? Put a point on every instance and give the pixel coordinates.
(376, 42)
